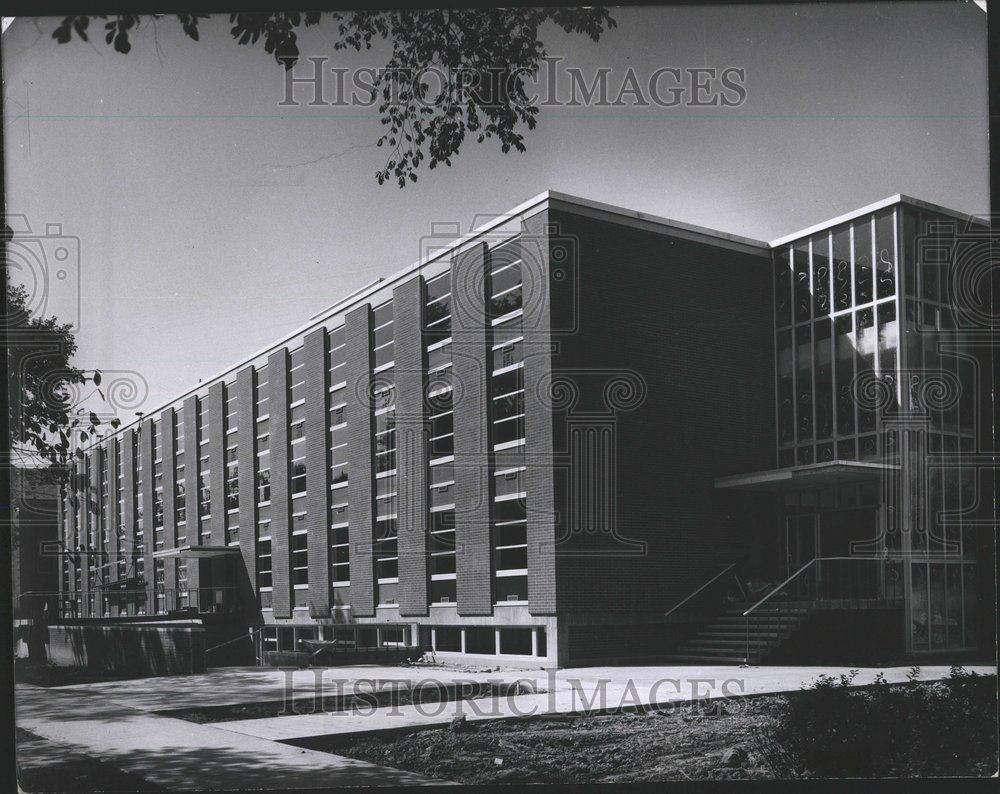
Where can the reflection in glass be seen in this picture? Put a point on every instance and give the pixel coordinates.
(821, 275)
(844, 328)
(865, 320)
(824, 379)
(888, 343)
(842, 268)
(885, 254)
(803, 299)
(782, 288)
(969, 602)
(786, 411)
(938, 625)
(863, 261)
(909, 251)
(803, 381)
(919, 605)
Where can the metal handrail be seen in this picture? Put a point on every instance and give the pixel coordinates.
(800, 570)
(780, 587)
(693, 594)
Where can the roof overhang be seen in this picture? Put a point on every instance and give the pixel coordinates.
(834, 472)
(195, 552)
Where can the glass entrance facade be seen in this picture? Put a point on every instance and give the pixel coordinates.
(868, 354)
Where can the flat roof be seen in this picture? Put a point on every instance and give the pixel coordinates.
(532, 206)
(524, 210)
(889, 201)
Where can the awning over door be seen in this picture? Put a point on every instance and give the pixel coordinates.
(813, 475)
(195, 552)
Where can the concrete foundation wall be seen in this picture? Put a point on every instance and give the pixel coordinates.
(139, 650)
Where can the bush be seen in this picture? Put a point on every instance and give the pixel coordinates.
(832, 729)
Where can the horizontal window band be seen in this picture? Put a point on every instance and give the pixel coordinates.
(512, 572)
(510, 497)
(506, 318)
(508, 343)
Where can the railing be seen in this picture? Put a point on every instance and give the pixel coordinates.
(835, 579)
(709, 598)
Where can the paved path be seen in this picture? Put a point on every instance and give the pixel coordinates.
(237, 685)
(182, 755)
(113, 721)
(573, 691)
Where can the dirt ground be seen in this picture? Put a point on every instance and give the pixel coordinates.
(680, 744)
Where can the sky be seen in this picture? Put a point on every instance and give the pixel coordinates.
(211, 221)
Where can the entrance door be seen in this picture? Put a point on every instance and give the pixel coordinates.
(801, 544)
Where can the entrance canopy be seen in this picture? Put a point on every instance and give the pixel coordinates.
(195, 552)
(833, 472)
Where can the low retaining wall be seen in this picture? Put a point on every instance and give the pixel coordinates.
(329, 657)
(138, 649)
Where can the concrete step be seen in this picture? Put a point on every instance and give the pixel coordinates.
(771, 620)
(694, 658)
(728, 642)
(728, 632)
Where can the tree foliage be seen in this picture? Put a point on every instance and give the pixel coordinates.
(451, 72)
(44, 389)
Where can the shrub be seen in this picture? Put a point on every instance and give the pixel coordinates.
(833, 729)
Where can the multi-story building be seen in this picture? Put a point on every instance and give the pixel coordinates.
(548, 439)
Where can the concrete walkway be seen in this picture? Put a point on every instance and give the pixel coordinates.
(572, 691)
(228, 686)
(114, 721)
(182, 755)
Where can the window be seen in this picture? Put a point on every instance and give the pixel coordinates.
(438, 309)
(203, 427)
(300, 558)
(505, 282)
(296, 376)
(382, 335)
(231, 408)
(338, 358)
(480, 639)
(515, 641)
(264, 562)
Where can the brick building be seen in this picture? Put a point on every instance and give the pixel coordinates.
(579, 433)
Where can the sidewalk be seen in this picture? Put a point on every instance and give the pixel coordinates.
(181, 755)
(573, 691)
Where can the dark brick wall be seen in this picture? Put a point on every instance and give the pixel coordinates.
(112, 508)
(191, 455)
(90, 525)
(217, 461)
(470, 351)
(540, 503)
(277, 381)
(169, 482)
(691, 328)
(146, 469)
(128, 498)
(411, 447)
(246, 453)
(317, 443)
(128, 650)
(357, 333)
